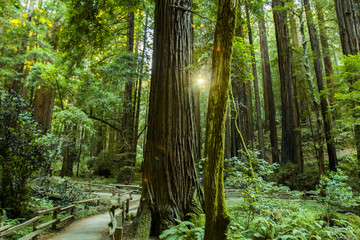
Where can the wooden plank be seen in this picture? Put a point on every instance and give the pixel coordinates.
(47, 224)
(67, 208)
(31, 235)
(5, 227)
(129, 186)
(17, 227)
(86, 201)
(48, 211)
(67, 218)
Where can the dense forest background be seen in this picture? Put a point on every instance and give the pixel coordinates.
(76, 101)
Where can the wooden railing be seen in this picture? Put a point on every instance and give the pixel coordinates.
(59, 217)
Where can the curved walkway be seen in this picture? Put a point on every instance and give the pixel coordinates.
(91, 228)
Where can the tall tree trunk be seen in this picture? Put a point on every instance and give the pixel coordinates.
(315, 46)
(269, 96)
(171, 187)
(318, 137)
(127, 125)
(299, 71)
(256, 86)
(349, 25)
(329, 71)
(43, 106)
(347, 12)
(291, 134)
(242, 103)
(69, 156)
(217, 218)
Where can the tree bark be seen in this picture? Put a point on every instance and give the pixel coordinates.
(329, 71)
(268, 91)
(315, 46)
(217, 218)
(69, 156)
(348, 16)
(299, 71)
(349, 25)
(291, 134)
(318, 136)
(256, 86)
(43, 106)
(171, 186)
(128, 116)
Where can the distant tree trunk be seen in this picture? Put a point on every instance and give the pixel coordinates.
(127, 125)
(43, 106)
(291, 134)
(347, 12)
(250, 114)
(269, 96)
(315, 46)
(318, 132)
(256, 87)
(69, 155)
(299, 70)
(242, 103)
(329, 71)
(171, 186)
(217, 218)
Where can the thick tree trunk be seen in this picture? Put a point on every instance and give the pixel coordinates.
(348, 17)
(291, 134)
(315, 46)
(256, 87)
(268, 91)
(171, 187)
(217, 218)
(349, 25)
(318, 132)
(43, 106)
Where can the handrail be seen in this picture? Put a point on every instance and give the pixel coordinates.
(37, 229)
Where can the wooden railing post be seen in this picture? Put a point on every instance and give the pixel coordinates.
(118, 233)
(123, 212)
(127, 208)
(113, 190)
(55, 216)
(35, 227)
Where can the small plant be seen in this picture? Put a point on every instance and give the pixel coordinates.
(187, 230)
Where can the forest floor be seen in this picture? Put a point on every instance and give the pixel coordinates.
(91, 228)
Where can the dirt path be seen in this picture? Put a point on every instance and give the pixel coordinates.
(91, 228)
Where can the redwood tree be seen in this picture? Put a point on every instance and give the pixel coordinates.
(291, 134)
(171, 187)
(268, 91)
(315, 46)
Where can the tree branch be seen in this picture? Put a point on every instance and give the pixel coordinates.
(189, 10)
(101, 120)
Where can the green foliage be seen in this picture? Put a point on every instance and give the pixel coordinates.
(292, 220)
(335, 194)
(186, 230)
(347, 93)
(21, 155)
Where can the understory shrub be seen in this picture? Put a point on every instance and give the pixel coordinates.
(21, 154)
